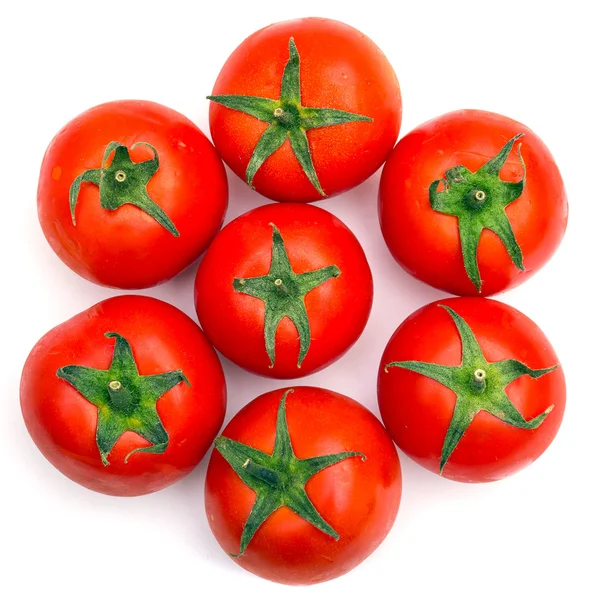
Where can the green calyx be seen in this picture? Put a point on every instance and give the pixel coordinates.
(287, 119)
(126, 400)
(123, 182)
(278, 479)
(283, 292)
(479, 201)
(478, 384)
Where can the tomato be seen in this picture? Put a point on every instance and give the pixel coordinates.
(124, 398)
(472, 203)
(303, 485)
(471, 388)
(284, 290)
(130, 193)
(305, 109)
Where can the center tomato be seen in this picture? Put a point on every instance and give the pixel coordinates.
(284, 290)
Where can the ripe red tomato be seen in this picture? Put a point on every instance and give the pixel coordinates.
(303, 485)
(284, 290)
(305, 109)
(124, 398)
(472, 203)
(471, 388)
(130, 194)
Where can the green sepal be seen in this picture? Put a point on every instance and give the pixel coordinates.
(90, 176)
(300, 147)
(287, 118)
(478, 200)
(314, 118)
(260, 108)
(474, 396)
(123, 182)
(283, 292)
(126, 400)
(270, 141)
(279, 479)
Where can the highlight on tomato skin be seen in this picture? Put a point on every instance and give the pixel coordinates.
(472, 203)
(302, 486)
(471, 389)
(124, 398)
(130, 193)
(305, 109)
(284, 290)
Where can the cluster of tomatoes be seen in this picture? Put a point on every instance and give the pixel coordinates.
(304, 483)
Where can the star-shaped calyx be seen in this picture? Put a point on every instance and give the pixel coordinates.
(123, 182)
(126, 400)
(287, 119)
(479, 201)
(478, 384)
(283, 292)
(279, 479)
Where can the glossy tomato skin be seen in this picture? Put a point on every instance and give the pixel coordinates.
(126, 247)
(63, 423)
(426, 243)
(417, 411)
(338, 309)
(340, 68)
(360, 499)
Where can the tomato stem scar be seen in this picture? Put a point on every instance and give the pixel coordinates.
(479, 379)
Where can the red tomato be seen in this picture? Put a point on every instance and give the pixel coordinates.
(476, 393)
(124, 398)
(284, 290)
(472, 203)
(323, 501)
(130, 194)
(305, 109)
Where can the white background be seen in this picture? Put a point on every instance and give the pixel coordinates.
(524, 537)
